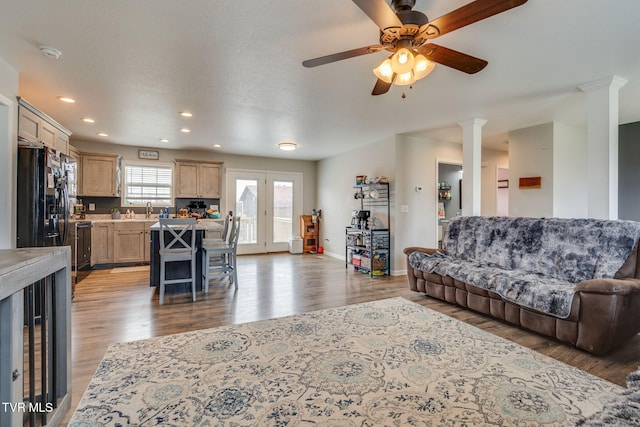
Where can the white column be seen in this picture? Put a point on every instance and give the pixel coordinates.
(471, 165)
(602, 146)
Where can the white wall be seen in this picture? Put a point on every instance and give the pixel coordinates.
(491, 161)
(570, 180)
(8, 153)
(416, 161)
(558, 154)
(336, 178)
(307, 168)
(531, 155)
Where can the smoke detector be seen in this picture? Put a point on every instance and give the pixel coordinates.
(50, 52)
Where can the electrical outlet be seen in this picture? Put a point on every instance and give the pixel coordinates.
(92, 206)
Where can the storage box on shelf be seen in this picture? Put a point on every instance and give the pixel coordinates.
(367, 239)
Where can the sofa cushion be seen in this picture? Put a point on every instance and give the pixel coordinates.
(534, 291)
(570, 250)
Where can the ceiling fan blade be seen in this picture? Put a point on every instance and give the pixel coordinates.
(468, 14)
(381, 87)
(379, 12)
(309, 63)
(452, 58)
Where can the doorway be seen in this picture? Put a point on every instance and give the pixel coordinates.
(502, 197)
(449, 194)
(267, 202)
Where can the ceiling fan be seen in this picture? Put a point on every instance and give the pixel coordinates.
(406, 32)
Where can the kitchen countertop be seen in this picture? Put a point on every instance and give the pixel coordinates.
(201, 224)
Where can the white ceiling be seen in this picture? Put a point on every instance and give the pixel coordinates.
(133, 65)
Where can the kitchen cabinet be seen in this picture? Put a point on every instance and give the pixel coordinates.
(147, 241)
(28, 125)
(100, 175)
(129, 241)
(197, 179)
(35, 126)
(102, 242)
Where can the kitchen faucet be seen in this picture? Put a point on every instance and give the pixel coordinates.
(148, 210)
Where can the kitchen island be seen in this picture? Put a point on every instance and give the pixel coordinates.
(177, 269)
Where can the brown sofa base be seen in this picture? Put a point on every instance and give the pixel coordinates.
(599, 322)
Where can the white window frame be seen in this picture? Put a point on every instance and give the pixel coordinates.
(149, 164)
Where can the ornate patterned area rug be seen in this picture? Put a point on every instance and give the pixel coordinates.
(389, 362)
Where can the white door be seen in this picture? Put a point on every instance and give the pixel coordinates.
(269, 203)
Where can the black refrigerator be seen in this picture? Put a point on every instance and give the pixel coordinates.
(43, 197)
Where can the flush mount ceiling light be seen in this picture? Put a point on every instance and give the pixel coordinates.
(88, 120)
(164, 140)
(287, 146)
(67, 99)
(217, 145)
(185, 130)
(102, 134)
(50, 52)
(186, 114)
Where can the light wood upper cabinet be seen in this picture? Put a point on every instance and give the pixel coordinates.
(197, 179)
(99, 175)
(35, 126)
(61, 142)
(28, 125)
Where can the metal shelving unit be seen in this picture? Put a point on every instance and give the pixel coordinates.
(367, 242)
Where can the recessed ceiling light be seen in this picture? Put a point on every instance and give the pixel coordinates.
(287, 146)
(103, 134)
(66, 99)
(164, 140)
(50, 52)
(217, 145)
(88, 120)
(186, 114)
(185, 130)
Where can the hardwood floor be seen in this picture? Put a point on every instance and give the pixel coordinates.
(118, 305)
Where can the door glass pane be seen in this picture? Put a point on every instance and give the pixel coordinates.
(282, 210)
(247, 208)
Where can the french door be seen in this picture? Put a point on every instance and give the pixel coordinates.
(269, 204)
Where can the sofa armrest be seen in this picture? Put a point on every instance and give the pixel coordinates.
(610, 286)
(429, 251)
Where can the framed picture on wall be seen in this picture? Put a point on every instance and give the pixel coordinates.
(503, 183)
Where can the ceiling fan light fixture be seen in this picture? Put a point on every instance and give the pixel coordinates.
(405, 79)
(422, 67)
(402, 61)
(384, 71)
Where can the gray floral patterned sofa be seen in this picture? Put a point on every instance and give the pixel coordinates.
(577, 280)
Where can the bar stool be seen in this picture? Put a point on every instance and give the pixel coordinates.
(179, 244)
(219, 258)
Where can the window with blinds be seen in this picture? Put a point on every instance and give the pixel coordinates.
(147, 183)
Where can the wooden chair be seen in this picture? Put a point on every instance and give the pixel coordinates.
(219, 258)
(177, 243)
